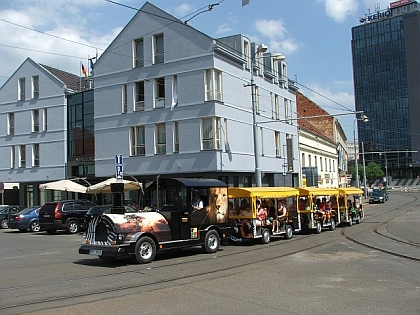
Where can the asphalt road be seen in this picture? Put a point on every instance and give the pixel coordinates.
(369, 268)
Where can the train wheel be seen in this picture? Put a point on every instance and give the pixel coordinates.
(318, 229)
(265, 236)
(212, 242)
(332, 226)
(145, 250)
(289, 232)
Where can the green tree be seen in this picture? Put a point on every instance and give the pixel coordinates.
(373, 172)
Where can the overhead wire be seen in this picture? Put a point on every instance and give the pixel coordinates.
(195, 13)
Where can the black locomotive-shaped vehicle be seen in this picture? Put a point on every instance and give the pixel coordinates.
(173, 225)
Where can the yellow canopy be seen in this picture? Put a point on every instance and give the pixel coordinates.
(262, 192)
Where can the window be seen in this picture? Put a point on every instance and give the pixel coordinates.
(320, 163)
(226, 138)
(21, 89)
(303, 159)
(330, 164)
(246, 54)
(35, 120)
(286, 109)
(309, 160)
(277, 143)
(160, 93)
(35, 155)
(210, 133)
(276, 110)
(10, 124)
(213, 85)
(22, 156)
(124, 99)
(12, 157)
(289, 146)
(137, 141)
(326, 169)
(139, 97)
(35, 86)
(159, 49)
(138, 53)
(160, 139)
(45, 120)
(262, 141)
(176, 137)
(174, 91)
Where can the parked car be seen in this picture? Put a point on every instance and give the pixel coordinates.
(98, 210)
(5, 212)
(66, 215)
(378, 196)
(27, 219)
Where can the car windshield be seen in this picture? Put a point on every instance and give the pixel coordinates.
(377, 194)
(98, 209)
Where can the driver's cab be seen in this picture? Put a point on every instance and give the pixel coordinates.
(174, 198)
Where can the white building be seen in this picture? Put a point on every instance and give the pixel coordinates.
(176, 102)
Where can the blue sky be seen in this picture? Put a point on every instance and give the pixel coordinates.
(314, 35)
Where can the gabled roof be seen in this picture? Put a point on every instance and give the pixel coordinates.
(69, 79)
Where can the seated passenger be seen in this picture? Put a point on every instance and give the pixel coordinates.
(281, 216)
(232, 210)
(261, 214)
(245, 229)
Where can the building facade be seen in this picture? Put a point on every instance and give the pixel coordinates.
(33, 141)
(386, 71)
(175, 102)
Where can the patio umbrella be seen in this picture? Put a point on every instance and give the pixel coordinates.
(64, 185)
(105, 186)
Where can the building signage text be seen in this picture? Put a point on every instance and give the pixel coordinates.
(376, 16)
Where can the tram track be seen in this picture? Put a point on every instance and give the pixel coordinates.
(147, 276)
(393, 238)
(171, 272)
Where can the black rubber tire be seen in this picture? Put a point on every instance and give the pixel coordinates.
(332, 224)
(211, 242)
(265, 236)
(34, 227)
(72, 227)
(145, 250)
(318, 227)
(4, 224)
(288, 232)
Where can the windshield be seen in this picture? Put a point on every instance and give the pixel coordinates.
(377, 193)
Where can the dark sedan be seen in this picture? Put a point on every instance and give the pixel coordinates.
(378, 196)
(5, 212)
(27, 219)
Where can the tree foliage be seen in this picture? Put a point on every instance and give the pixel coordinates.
(373, 172)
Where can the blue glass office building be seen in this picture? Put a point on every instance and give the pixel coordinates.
(386, 71)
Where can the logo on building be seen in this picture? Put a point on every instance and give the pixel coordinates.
(376, 16)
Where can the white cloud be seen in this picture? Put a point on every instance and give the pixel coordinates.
(63, 19)
(271, 28)
(276, 32)
(340, 9)
(223, 29)
(184, 9)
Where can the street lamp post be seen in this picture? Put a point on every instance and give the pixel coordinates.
(258, 177)
(386, 167)
(363, 118)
